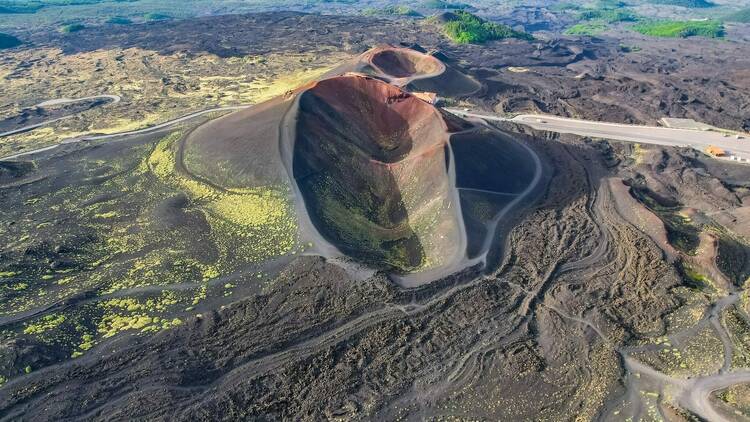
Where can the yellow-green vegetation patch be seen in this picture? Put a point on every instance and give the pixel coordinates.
(701, 354)
(261, 207)
(129, 313)
(148, 98)
(262, 218)
(46, 323)
(116, 244)
(737, 397)
(160, 304)
(738, 329)
(113, 324)
(694, 279)
(693, 308)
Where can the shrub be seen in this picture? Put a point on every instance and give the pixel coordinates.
(70, 28)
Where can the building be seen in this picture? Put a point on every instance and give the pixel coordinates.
(715, 151)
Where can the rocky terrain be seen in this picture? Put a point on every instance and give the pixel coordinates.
(272, 263)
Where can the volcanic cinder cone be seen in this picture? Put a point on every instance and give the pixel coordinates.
(372, 164)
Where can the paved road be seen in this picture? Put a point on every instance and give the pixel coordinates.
(128, 133)
(114, 98)
(697, 139)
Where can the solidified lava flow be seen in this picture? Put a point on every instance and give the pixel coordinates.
(371, 163)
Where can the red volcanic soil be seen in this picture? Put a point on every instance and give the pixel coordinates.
(384, 122)
(404, 62)
(370, 162)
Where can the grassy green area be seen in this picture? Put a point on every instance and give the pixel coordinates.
(740, 16)
(685, 3)
(8, 41)
(391, 11)
(588, 28)
(469, 29)
(682, 29)
(118, 20)
(608, 15)
(70, 28)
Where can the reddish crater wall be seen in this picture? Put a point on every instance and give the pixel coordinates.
(367, 156)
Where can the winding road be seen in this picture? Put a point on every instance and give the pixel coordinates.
(114, 98)
(697, 139)
(120, 134)
(693, 394)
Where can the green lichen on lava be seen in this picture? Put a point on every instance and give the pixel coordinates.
(137, 277)
(700, 354)
(364, 228)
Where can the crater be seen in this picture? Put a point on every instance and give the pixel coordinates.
(371, 162)
(404, 63)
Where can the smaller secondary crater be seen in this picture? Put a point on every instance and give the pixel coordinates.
(404, 63)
